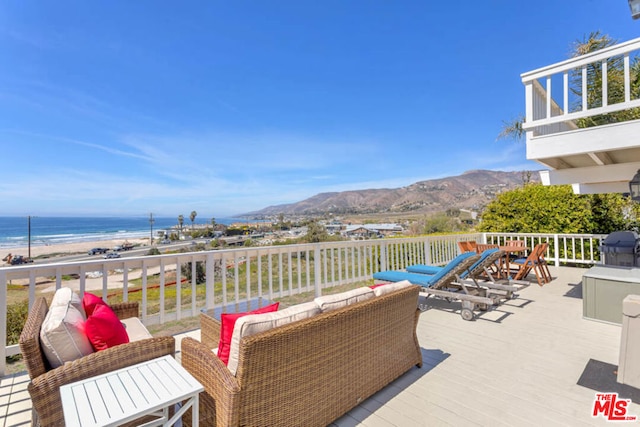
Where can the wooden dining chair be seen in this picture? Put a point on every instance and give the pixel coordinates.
(467, 246)
(481, 247)
(514, 244)
(542, 263)
(532, 262)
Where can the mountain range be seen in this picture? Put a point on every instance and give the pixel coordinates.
(471, 190)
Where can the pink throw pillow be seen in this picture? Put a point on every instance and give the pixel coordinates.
(104, 329)
(90, 302)
(228, 321)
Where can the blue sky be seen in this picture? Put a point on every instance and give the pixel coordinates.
(131, 107)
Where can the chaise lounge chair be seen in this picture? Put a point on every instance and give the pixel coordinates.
(446, 284)
(485, 266)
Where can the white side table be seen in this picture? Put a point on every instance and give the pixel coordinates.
(148, 388)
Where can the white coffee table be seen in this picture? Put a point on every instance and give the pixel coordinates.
(148, 388)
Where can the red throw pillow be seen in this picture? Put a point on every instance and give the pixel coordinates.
(378, 285)
(228, 321)
(90, 302)
(104, 329)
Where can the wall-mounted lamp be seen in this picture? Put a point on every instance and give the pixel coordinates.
(634, 5)
(634, 187)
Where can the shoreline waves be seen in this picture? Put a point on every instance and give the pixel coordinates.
(17, 232)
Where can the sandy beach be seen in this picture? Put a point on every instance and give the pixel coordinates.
(92, 283)
(70, 248)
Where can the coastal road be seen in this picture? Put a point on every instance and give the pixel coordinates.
(135, 252)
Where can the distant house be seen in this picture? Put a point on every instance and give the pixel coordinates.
(333, 227)
(468, 216)
(372, 230)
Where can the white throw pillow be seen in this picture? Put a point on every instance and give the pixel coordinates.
(65, 296)
(343, 299)
(255, 323)
(387, 288)
(62, 333)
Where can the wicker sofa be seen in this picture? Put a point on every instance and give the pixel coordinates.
(44, 387)
(308, 372)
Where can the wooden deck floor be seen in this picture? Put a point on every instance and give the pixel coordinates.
(517, 365)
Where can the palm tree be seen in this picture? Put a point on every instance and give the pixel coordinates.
(192, 217)
(513, 129)
(180, 222)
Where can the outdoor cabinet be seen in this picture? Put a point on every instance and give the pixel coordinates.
(629, 366)
(604, 288)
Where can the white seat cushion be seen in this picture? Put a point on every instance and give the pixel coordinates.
(62, 333)
(135, 329)
(343, 299)
(255, 323)
(390, 287)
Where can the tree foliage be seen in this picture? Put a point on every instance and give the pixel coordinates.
(201, 275)
(535, 208)
(615, 87)
(316, 233)
(441, 222)
(615, 82)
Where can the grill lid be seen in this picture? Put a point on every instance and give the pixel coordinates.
(621, 239)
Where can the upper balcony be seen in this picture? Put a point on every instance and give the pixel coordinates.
(569, 123)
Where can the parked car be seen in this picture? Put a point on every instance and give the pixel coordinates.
(19, 259)
(117, 248)
(165, 241)
(95, 251)
(112, 255)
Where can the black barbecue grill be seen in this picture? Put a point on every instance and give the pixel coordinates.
(621, 248)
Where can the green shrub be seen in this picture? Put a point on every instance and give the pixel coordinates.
(16, 317)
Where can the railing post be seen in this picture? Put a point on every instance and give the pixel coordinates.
(210, 281)
(383, 256)
(484, 238)
(3, 322)
(427, 251)
(317, 273)
(556, 249)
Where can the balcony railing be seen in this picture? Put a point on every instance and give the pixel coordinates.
(552, 106)
(237, 275)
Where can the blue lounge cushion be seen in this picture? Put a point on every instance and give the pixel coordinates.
(422, 279)
(424, 269)
(425, 280)
(432, 269)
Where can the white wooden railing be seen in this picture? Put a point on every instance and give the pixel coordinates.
(236, 275)
(545, 115)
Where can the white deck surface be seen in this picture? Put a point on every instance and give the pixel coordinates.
(516, 365)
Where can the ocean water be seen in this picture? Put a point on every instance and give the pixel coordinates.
(14, 231)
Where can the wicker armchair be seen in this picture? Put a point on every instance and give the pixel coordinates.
(45, 382)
